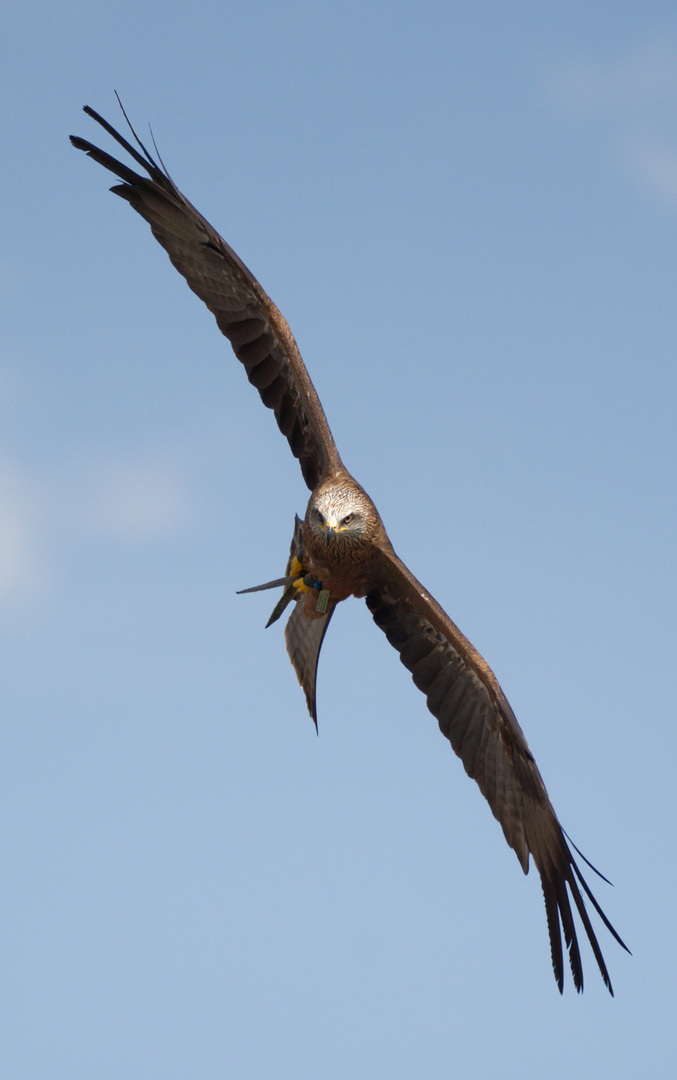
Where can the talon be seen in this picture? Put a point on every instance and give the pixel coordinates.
(296, 569)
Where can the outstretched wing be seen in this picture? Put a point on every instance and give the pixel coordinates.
(472, 711)
(259, 334)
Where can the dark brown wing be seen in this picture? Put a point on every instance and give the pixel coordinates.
(259, 334)
(464, 695)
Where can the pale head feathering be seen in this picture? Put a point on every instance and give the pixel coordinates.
(342, 512)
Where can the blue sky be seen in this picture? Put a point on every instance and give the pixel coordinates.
(468, 214)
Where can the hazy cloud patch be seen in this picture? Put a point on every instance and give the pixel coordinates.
(22, 572)
(643, 77)
(631, 101)
(45, 516)
(138, 501)
(654, 163)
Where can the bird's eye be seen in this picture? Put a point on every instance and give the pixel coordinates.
(320, 516)
(347, 519)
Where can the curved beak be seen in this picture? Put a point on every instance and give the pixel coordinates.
(329, 534)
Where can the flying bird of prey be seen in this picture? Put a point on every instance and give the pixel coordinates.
(341, 549)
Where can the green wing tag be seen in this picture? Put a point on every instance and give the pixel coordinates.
(322, 601)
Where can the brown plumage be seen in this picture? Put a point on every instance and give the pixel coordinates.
(341, 549)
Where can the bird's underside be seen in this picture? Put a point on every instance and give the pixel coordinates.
(341, 549)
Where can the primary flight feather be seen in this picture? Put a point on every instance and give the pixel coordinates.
(341, 549)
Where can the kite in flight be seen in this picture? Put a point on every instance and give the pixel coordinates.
(341, 549)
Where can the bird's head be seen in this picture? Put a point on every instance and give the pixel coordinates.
(340, 514)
